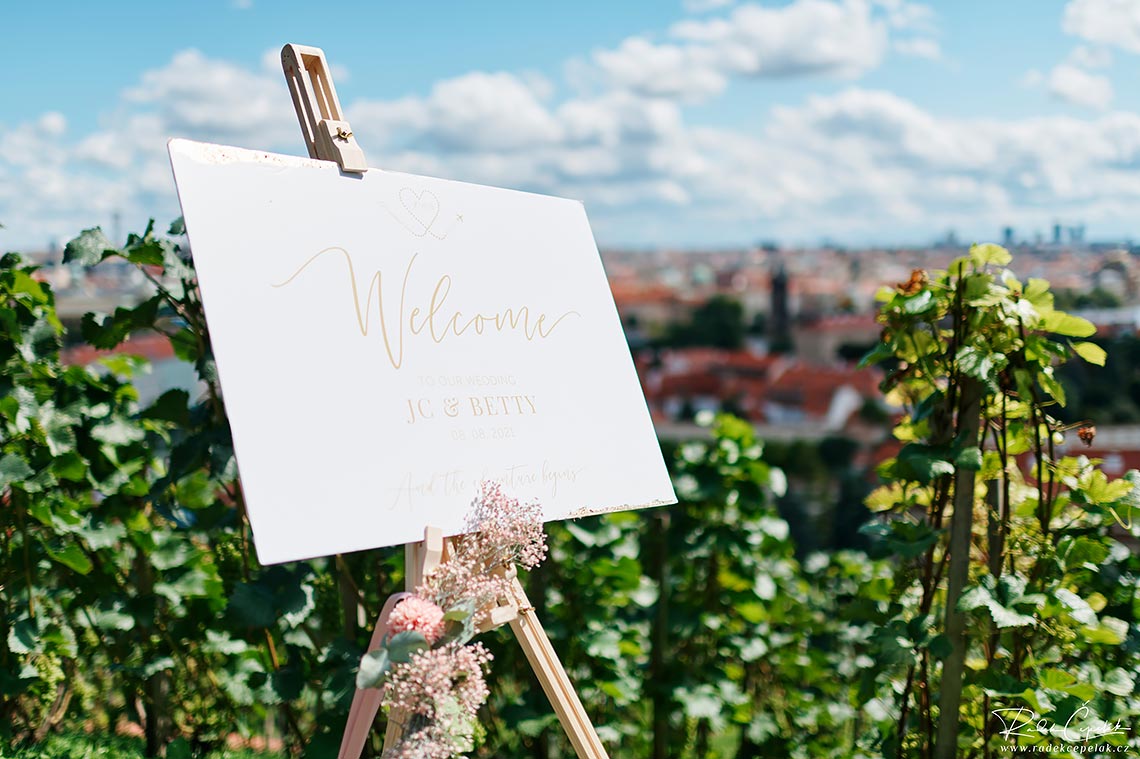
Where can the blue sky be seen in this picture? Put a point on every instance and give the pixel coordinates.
(680, 124)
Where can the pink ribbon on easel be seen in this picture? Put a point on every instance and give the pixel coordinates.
(366, 702)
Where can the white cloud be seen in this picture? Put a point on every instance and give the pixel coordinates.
(805, 37)
(52, 124)
(495, 129)
(860, 162)
(833, 38)
(476, 111)
(24, 145)
(1032, 78)
(919, 47)
(123, 167)
(685, 72)
(1073, 81)
(217, 100)
(1107, 22)
(899, 165)
(902, 14)
(1079, 87)
(1090, 57)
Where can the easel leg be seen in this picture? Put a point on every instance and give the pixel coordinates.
(551, 675)
(395, 730)
(412, 577)
(419, 560)
(366, 703)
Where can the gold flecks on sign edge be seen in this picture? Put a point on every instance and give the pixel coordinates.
(589, 511)
(220, 155)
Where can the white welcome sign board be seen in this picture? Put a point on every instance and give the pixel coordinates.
(386, 342)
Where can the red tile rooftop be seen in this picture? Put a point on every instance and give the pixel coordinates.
(842, 322)
(150, 346)
(628, 294)
(757, 384)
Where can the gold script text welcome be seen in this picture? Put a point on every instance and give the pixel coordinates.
(431, 318)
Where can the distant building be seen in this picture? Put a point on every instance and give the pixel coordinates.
(819, 341)
(806, 394)
(949, 241)
(780, 320)
(647, 306)
(167, 371)
(774, 390)
(1007, 237)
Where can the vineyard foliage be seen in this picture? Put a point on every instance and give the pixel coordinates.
(1001, 575)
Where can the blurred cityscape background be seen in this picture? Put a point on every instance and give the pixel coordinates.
(775, 336)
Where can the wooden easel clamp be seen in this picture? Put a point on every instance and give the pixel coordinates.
(327, 135)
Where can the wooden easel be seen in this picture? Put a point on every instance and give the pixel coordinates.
(329, 137)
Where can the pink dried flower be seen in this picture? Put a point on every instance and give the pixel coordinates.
(509, 531)
(440, 690)
(428, 742)
(418, 615)
(503, 533)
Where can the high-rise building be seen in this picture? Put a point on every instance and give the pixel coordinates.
(780, 318)
(1057, 233)
(1007, 237)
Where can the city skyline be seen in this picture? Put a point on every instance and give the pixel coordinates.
(697, 124)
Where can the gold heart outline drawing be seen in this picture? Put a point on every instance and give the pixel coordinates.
(411, 200)
(418, 200)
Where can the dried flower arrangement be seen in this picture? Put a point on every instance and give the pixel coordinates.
(432, 675)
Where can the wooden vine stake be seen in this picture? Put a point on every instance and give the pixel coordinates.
(329, 138)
